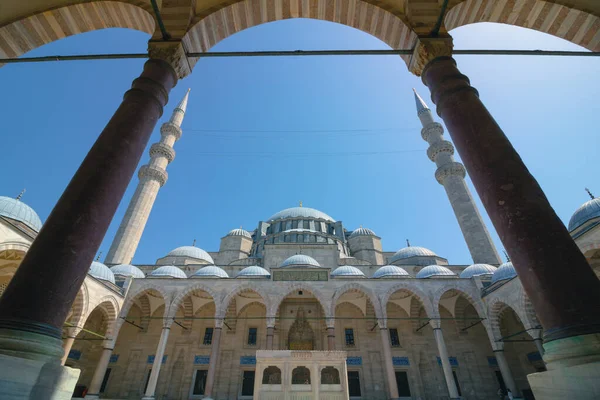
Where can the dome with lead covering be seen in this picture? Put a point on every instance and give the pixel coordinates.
(300, 212)
(19, 211)
(253, 271)
(102, 272)
(412, 251)
(588, 210)
(346, 271)
(191, 252)
(127, 270)
(504, 272)
(362, 232)
(168, 271)
(477, 270)
(391, 271)
(210, 271)
(300, 260)
(434, 271)
(239, 232)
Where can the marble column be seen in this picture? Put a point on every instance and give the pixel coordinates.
(516, 205)
(539, 345)
(387, 361)
(214, 359)
(37, 300)
(67, 344)
(270, 334)
(330, 323)
(158, 356)
(505, 371)
(99, 372)
(443, 353)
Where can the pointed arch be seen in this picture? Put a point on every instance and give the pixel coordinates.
(80, 308)
(358, 287)
(277, 300)
(408, 287)
(28, 33)
(567, 23)
(177, 301)
(472, 297)
(244, 287)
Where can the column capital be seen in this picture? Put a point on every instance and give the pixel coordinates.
(270, 322)
(219, 323)
(173, 53)
(435, 324)
(382, 323)
(497, 346)
(330, 322)
(72, 332)
(427, 49)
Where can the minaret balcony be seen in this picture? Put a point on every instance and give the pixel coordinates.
(162, 150)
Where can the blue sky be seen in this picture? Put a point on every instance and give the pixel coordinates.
(338, 133)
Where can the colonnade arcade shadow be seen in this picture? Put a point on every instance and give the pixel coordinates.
(36, 302)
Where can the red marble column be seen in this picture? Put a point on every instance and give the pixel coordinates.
(40, 294)
(556, 276)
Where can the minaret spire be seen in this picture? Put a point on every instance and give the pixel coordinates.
(152, 177)
(451, 175)
(23, 192)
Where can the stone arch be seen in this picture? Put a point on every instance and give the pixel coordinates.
(111, 306)
(353, 306)
(567, 23)
(177, 301)
(528, 316)
(244, 287)
(495, 310)
(471, 297)
(140, 294)
(276, 301)
(80, 307)
(28, 33)
(14, 246)
(419, 294)
(241, 15)
(254, 303)
(356, 286)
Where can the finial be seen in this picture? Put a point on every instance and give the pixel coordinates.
(241, 227)
(300, 203)
(23, 191)
(99, 255)
(360, 226)
(506, 255)
(586, 189)
(421, 106)
(407, 243)
(194, 243)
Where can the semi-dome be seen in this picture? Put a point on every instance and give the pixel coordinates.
(504, 272)
(102, 272)
(347, 270)
(127, 270)
(477, 270)
(390, 271)
(253, 271)
(239, 232)
(300, 212)
(210, 271)
(17, 210)
(168, 271)
(412, 251)
(191, 252)
(588, 210)
(434, 270)
(362, 232)
(300, 260)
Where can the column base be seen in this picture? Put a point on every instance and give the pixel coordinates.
(24, 379)
(30, 345)
(571, 351)
(92, 397)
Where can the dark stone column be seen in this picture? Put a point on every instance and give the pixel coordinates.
(556, 276)
(39, 296)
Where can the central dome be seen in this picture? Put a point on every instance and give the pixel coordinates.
(300, 212)
(191, 252)
(300, 260)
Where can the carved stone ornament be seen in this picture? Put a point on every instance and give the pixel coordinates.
(173, 53)
(450, 169)
(170, 129)
(301, 336)
(440, 147)
(434, 128)
(427, 49)
(161, 149)
(159, 175)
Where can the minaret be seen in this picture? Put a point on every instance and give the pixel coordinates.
(152, 177)
(451, 175)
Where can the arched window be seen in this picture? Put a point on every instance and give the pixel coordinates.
(271, 376)
(330, 376)
(301, 376)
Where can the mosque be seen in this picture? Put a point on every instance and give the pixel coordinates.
(410, 323)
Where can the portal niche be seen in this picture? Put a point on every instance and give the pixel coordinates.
(271, 376)
(301, 336)
(301, 376)
(330, 376)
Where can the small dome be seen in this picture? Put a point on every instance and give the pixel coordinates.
(504, 272)
(362, 232)
(239, 232)
(17, 210)
(412, 251)
(390, 271)
(253, 272)
(347, 270)
(300, 212)
(300, 260)
(127, 270)
(434, 270)
(102, 272)
(210, 271)
(168, 271)
(588, 210)
(191, 252)
(477, 270)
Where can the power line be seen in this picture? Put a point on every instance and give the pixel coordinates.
(276, 154)
(295, 53)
